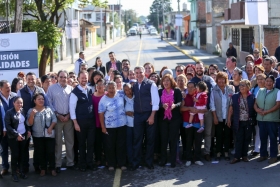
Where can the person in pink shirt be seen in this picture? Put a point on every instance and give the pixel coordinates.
(96, 96)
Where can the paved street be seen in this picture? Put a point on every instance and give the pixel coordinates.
(160, 53)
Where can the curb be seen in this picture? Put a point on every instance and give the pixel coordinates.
(183, 51)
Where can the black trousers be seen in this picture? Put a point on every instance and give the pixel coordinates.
(222, 132)
(18, 154)
(157, 136)
(86, 142)
(169, 132)
(45, 151)
(193, 143)
(243, 138)
(115, 143)
(140, 126)
(98, 144)
(183, 137)
(76, 148)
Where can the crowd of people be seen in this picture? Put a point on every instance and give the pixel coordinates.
(114, 115)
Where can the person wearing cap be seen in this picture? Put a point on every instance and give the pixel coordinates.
(268, 70)
(257, 58)
(231, 51)
(79, 62)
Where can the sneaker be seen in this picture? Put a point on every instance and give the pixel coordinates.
(188, 163)
(199, 163)
(189, 126)
(201, 129)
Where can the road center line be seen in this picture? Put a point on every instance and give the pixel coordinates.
(117, 178)
(139, 53)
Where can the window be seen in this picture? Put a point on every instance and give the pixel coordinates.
(98, 15)
(236, 37)
(208, 6)
(87, 16)
(247, 36)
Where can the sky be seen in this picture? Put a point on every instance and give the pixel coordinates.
(142, 7)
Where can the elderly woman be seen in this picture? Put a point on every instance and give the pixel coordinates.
(258, 69)
(244, 117)
(267, 106)
(219, 104)
(18, 133)
(260, 84)
(170, 118)
(113, 122)
(149, 68)
(237, 76)
(42, 120)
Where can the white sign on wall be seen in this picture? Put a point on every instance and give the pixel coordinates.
(18, 52)
(256, 12)
(72, 29)
(178, 20)
(209, 35)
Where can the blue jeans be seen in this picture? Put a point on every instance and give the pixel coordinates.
(129, 144)
(4, 152)
(268, 129)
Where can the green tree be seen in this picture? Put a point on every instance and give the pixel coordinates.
(45, 16)
(156, 12)
(130, 17)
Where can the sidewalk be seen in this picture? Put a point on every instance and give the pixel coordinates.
(90, 53)
(198, 54)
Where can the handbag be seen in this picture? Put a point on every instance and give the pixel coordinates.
(46, 134)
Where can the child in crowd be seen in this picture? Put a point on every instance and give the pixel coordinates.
(200, 99)
(129, 111)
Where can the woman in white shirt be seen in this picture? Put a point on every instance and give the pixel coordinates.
(18, 133)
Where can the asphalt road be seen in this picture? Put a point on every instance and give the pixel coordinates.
(159, 53)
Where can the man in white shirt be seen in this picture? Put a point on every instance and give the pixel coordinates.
(58, 95)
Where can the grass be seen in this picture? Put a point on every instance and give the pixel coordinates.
(98, 40)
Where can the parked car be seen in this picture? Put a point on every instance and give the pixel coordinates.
(153, 32)
(133, 32)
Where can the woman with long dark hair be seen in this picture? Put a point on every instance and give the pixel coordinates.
(97, 75)
(99, 66)
(17, 84)
(18, 133)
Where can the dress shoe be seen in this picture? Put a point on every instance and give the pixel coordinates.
(93, 168)
(82, 169)
(4, 172)
(133, 168)
(272, 160)
(57, 169)
(23, 176)
(54, 174)
(254, 154)
(245, 159)
(207, 157)
(262, 158)
(234, 161)
(150, 167)
(15, 178)
(43, 173)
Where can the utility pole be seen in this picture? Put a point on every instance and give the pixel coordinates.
(18, 16)
(113, 15)
(8, 16)
(120, 7)
(178, 27)
(163, 18)
(101, 25)
(105, 25)
(157, 17)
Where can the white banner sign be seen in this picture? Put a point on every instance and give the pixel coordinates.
(178, 20)
(72, 29)
(18, 53)
(256, 12)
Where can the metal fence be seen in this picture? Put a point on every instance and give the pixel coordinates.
(5, 26)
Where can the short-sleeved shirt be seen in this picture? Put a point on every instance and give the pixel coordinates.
(113, 109)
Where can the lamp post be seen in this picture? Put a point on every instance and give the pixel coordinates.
(178, 27)
(157, 17)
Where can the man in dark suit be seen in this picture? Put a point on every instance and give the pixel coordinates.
(6, 98)
(231, 51)
(113, 63)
